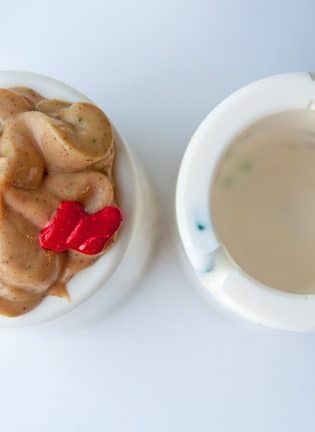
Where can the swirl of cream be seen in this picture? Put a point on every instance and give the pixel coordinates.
(50, 151)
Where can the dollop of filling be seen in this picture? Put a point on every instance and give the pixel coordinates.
(51, 152)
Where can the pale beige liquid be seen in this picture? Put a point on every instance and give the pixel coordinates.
(263, 201)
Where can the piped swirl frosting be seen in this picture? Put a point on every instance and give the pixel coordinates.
(50, 151)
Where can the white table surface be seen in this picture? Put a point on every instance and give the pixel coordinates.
(167, 360)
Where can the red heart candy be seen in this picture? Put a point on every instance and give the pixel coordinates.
(73, 228)
(94, 230)
(56, 232)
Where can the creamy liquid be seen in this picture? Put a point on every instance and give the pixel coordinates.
(263, 201)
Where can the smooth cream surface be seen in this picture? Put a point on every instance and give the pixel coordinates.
(263, 201)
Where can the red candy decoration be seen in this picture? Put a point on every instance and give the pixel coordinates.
(55, 233)
(72, 228)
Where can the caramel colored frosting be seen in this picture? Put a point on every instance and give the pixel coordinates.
(51, 151)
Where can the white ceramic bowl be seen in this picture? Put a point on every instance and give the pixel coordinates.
(118, 269)
(217, 273)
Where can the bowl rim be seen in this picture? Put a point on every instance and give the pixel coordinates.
(126, 176)
(238, 111)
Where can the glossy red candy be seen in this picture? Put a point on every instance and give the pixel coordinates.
(56, 232)
(94, 230)
(72, 228)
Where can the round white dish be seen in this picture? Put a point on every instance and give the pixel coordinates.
(128, 254)
(217, 273)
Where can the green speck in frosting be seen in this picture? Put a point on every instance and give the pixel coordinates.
(245, 166)
(79, 119)
(93, 140)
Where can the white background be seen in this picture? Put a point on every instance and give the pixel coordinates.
(167, 360)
